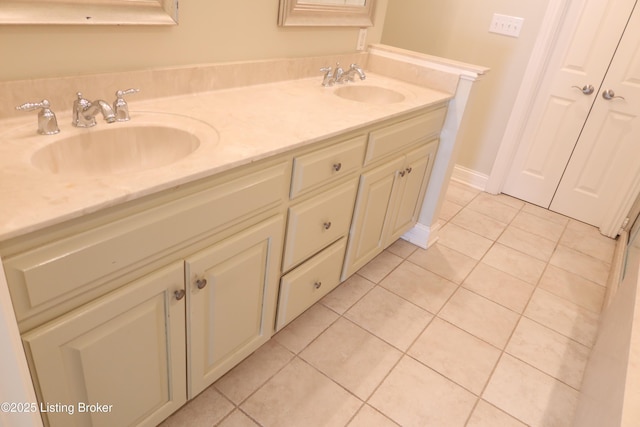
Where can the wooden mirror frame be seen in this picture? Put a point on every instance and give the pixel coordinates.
(294, 13)
(89, 12)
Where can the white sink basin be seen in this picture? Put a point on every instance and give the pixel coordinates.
(146, 142)
(369, 94)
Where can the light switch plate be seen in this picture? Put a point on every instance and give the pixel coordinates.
(362, 39)
(507, 25)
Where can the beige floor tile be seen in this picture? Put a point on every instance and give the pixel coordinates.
(480, 317)
(402, 248)
(583, 265)
(507, 200)
(549, 351)
(237, 419)
(299, 395)
(254, 371)
(499, 287)
(389, 317)
(573, 288)
(516, 263)
(563, 316)
(450, 264)
(460, 194)
(414, 395)
(299, 333)
(538, 225)
(546, 214)
(449, 210)
(531, 395)
(380, 266)
(422, 287)
(487, 415)
(207, 409)
(479, 223)
(352, 357)
(589, 241)
(464, 241)
(528, 243)
(369, 417)
(347, 293)
(493, 207)
(456, 354)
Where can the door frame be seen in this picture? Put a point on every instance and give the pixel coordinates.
(556, 17)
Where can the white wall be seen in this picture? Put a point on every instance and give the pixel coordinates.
(458, 29)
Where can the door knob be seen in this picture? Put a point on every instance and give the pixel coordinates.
(609, 95)
(586, 89)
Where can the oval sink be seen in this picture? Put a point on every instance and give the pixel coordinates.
(369, 94)
(124, 147)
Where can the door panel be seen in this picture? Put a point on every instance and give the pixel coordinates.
(583, 53)
(602, 175)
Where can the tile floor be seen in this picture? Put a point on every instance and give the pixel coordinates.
(490, 327)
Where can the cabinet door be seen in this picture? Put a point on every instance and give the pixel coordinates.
(411, 189)
(366, 238)
(232, 291)
(124, 351)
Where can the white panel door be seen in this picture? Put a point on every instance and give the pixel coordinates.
(603, 176)
(582, 56)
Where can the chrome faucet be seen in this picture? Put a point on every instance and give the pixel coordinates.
(85, 111)
(328, 76)
(354, 69)
(47, 122)
(120, 107)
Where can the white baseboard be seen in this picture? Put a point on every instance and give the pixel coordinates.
(470, 177)
(422, 236)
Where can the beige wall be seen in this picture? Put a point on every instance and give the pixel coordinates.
(458, 29)
(209, 31)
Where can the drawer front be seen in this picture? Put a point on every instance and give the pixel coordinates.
(317, 168)
(305, 285)
(393, 138)
(317, 222)
(43, 277)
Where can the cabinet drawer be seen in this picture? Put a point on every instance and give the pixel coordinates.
(317, 168)
(72, 269)
(397, 136)
(305, 285)
(317, 222)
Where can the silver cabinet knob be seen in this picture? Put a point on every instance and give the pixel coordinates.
(317, 284)
(326, 225)
(337, 167)
(179, 294)
(609, 95)
(201, 283)
(586, 89)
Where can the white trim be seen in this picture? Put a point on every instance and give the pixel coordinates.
(422, 236)
(554, 20)
(470, 177)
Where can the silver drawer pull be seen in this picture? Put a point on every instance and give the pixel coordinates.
(337, 167)
(326, 225)
(179, 294)
(201, 283)
(317, 285)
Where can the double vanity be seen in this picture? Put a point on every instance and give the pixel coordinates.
(146, 258)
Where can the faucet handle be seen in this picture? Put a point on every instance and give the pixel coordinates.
(120, 106)
(47, 122)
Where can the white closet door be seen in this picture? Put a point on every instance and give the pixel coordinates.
(582, 56)
(603, 176)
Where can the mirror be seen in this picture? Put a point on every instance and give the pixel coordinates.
(352, 13)
(89, 12)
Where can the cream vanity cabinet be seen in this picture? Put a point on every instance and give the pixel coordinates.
(143, 306)
(392, 188)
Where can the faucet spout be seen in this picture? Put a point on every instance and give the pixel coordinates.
(85, 111)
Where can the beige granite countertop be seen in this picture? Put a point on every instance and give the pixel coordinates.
(249, 123)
